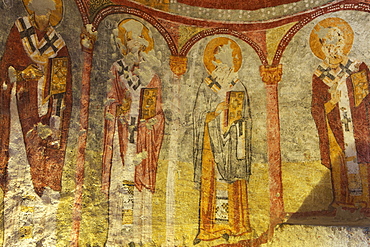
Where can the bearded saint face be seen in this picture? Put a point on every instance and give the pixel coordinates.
(333, 45)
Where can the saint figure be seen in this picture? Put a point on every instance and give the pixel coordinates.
(222, 148)
(36, 104)
(133, 134)
(340, 108)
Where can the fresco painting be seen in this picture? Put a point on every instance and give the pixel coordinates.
(183, 128)
(340, 89)
(37, 102)
(134, 125)
(222, 151)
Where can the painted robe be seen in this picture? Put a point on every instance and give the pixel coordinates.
(344, 129)
(34, 121)
(130, 157)
(222, 158)
(38, 107)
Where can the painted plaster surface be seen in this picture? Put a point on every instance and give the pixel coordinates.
(320, 236)
(233, 14)
(302, 213)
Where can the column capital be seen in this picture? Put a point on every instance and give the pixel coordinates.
(271, 75)
(88, 38)
(178, 64)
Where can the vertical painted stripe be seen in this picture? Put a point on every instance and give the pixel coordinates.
(81, 146)
(171, 169)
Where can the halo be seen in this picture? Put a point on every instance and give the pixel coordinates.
(212, 49)
(315, 44)
(145, 33)
(55, 16)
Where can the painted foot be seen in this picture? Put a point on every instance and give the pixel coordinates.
(196, 241)
(131, 244)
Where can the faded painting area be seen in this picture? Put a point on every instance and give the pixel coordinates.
(301, 142)
(35, 164)
(195, 135)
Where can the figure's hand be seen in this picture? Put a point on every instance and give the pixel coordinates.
(44, 131)
(220, 107)
(32, 72)
(335, 97)
(140, 157)
(150, 123)
(335, 93)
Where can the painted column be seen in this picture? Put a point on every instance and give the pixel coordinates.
(178, 65)
(88, 39)
(271, 76)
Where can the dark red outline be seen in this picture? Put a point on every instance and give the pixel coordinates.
(193, 40)
(350, 5)
(220, 27)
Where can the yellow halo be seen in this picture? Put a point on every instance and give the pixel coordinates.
(212, 49)
(56, 15)
(315, 44)
(145, 32)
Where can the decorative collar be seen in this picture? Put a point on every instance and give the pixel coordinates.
(215, 85)
(39, 50)
(133, 81)
(328, 75)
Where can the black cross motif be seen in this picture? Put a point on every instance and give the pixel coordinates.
(129, 81)
(132, 128)
(137, 85)
(123, 68)
(49, 43)
(27, 34)
(345, 68)
(325, 73)
(214, 82)
(346, 120)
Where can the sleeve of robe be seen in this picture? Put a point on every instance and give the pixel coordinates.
(56, 157)
(5, 91)
(320, 96)
(361, 116)
(150, 140)
(199, 119)
(247, 119)
(233, 160)
(109, 129)
(14, 55)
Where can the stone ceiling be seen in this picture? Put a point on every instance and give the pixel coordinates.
(230, 11)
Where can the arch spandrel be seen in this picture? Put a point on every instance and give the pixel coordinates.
(273, 39)
(210, 32)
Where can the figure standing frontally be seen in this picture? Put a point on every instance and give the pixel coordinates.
(340, 108)
(36, 104)
(222, 144)
(133, 134)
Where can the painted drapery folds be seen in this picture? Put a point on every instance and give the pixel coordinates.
(201, 123)
(340, 104)
(38, 66)
(36, 104)
(222, 151)
(134, 125)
